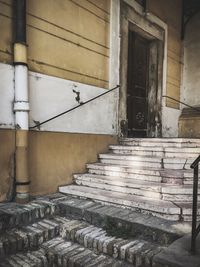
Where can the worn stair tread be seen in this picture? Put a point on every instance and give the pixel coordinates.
(35, 258)
(147, 161)
(162, 140)
(66, 252)
(146, 158)
(157, 149)
(187, 207)
(112, 249)
(122, 199)
(14, 214)
(30, 236)
(143, 170)
(60, 252)
(145, 225)
(168, 192)
(124, 168)
(121, 181)
(165, 152)
(98, 240)
(134, 183)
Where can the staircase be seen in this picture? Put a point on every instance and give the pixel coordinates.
(127, 210)
(149, 175)
(60, 230)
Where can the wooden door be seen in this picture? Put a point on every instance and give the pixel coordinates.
(137, 85)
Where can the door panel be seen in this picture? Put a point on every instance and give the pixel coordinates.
(137, 85)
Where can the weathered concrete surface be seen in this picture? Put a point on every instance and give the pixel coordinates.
(120, 221)
(152, 175)
(178, 254)
(59, 230)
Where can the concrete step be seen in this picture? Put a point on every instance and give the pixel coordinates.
(123, 222)
(151, 162)
(164, 152)
(161, 208)
(117, 184)
(62, 252)
(137, 187)
(161, 142)
(32, 236)
(35, 258)
(125, 171)
(28, 237)
(186, 208)
(89, 234)
(59, 252)
(144, 174)
(98, 240)
(14, 214)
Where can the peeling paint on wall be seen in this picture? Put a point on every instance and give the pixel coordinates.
(50, 96)
(6, 96)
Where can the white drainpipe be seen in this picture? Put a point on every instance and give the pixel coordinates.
(21, 103)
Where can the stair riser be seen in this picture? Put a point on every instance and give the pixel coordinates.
(98, 240)
(59, 252)
(143, 177)
(132, 191)
(173, 181)
(141, 164)
(172, 214)
(188, 218)
(168, 149)
(155, 160)
(155, 153)
(127, 175)
(188, 182)
(116, 221)
(119, 181)
(124, 169)
(177, 197)
(152, 193)
(161, 144)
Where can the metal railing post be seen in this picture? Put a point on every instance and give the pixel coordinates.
(194, 209)
(195, 229)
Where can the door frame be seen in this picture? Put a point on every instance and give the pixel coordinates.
(146, 26)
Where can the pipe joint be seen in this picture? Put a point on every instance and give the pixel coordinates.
(21, 106)
(20, 54)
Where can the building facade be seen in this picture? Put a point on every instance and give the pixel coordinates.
(78, 49)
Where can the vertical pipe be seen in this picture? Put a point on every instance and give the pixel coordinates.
(21, 103)
(194, 209)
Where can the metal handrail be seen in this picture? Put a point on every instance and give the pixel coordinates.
(183, 103)
(69, 110)
(195, 228)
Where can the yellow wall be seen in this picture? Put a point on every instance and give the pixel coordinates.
(170, 12)
(5, 31)
(7, 141)
(68, 39)
(189, 127)
(54, 157)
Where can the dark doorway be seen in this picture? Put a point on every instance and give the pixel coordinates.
(137, 85)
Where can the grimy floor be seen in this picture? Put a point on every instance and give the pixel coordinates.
(60, 230)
